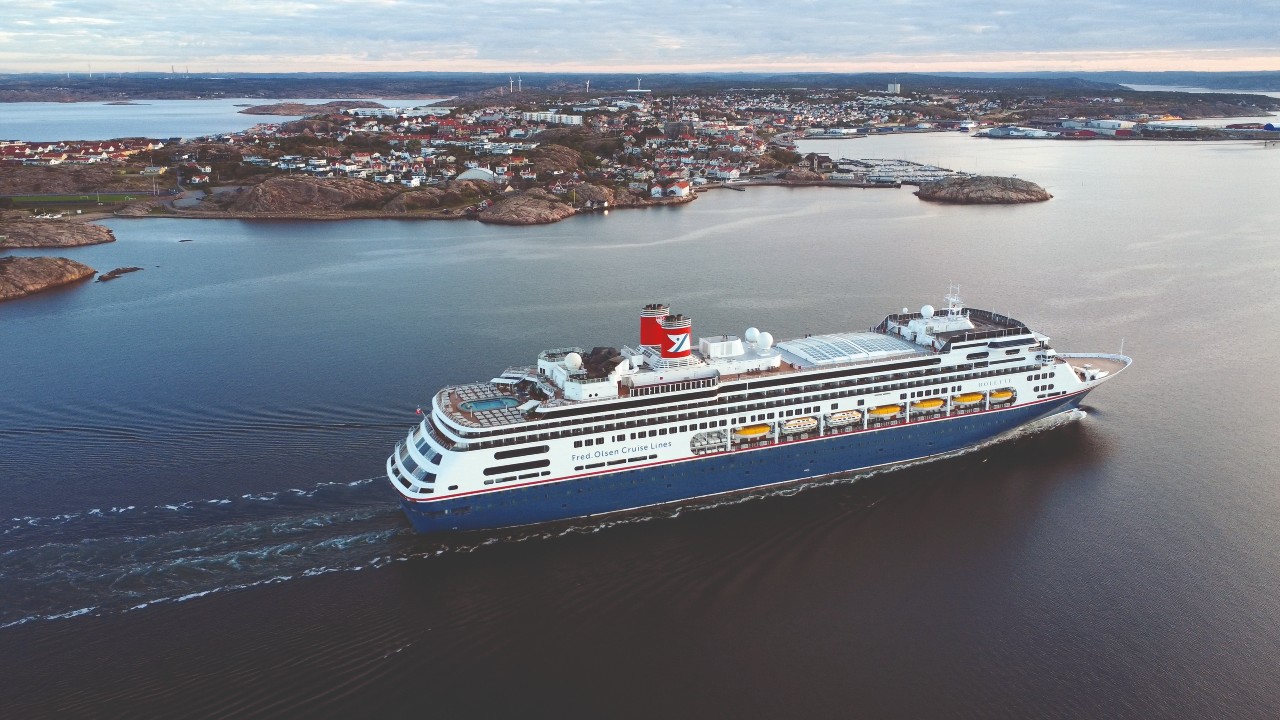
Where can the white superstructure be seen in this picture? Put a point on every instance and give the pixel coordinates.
(580, 413)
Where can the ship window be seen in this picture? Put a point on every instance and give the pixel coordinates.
(517, 467)
(519, 452)
(453, 487)
(1014, 351)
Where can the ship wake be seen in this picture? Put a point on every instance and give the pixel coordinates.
(110, 560)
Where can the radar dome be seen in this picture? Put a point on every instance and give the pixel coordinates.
(751, 335)
(926, 312)
(766, 341)
(573, 361)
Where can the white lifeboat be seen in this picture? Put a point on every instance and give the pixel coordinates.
(799, 425)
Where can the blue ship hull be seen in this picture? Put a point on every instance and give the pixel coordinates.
(723, 473)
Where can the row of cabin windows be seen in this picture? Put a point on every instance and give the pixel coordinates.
(510, 478)
(1039, 376)
(932, 391)
(673, 387)
(717, 411)
(796, 390)
(622, 461)
(682, 416)
(1040, 388)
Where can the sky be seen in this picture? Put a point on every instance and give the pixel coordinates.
(638, 35)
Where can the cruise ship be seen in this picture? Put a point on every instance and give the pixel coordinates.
(587, 433)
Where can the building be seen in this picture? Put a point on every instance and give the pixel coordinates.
(553, 118)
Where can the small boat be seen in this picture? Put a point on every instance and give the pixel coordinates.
(799, 425)
(885, 410)
(751, 432)
(927, 404)
(971, 398)
(1003, 395)
(844, 417)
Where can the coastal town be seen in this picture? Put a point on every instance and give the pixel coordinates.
(635, 144)
(530, 158)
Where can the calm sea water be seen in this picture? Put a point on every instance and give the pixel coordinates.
(38, 121)
(192, 521)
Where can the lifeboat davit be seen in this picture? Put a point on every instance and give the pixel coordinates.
(751, 432)
(799, 425)
(1000, 395)
(972, 398)
(885, 410)
(844, 417)
(927, 405)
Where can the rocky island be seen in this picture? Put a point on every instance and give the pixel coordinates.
(304, 109)
(982, 190)
(21, 276)
(51, 233)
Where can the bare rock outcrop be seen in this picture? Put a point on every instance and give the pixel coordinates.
(595, 194)
(556, 158)
(462, 192)
(531, 207)
(630, 198)
(25, 275)
(49, 233)
(303, 109)
(982, 190)
(803, 176)
(313, 196)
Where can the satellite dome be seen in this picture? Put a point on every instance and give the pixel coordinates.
(573, 361)
(751, 335)
(926, 312)
(766, 341)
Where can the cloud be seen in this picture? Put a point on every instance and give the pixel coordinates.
(670, 35)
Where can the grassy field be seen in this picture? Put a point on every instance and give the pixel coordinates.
(28, 200)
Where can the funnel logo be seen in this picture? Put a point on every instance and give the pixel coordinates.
(679, 343)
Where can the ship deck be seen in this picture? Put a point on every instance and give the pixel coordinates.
(466, 404)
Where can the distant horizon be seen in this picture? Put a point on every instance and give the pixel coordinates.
(638, 72)
(862, 69)
(658, 36)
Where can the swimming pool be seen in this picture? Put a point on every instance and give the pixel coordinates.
(493, 403)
